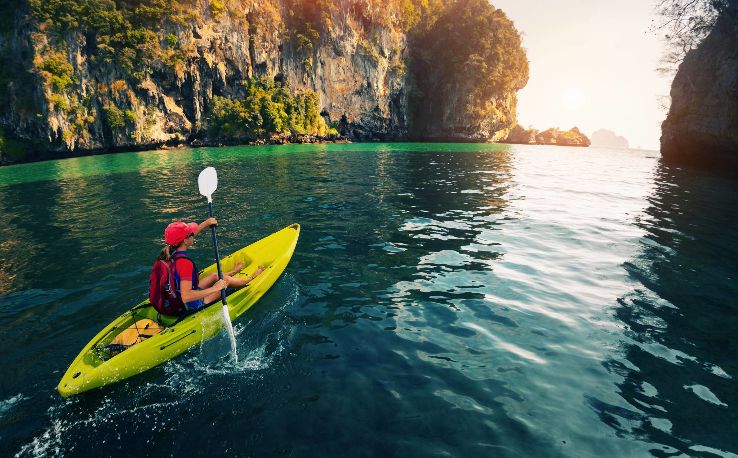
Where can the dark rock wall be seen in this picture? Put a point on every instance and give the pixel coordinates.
(702, 125)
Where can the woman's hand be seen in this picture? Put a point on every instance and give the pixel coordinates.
(220, 284)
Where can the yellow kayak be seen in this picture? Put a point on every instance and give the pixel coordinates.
(157, 339)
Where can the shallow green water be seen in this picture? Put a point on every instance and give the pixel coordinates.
(444, 299)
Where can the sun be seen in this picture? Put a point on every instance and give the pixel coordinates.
(573, 98)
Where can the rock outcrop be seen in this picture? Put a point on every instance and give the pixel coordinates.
(547, 137)
(572, 137)
(77, 86)
(552, 136)
(521, 135)
(701, 127)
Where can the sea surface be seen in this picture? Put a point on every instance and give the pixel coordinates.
(461, 300)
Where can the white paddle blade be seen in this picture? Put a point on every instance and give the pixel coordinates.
(208, 182)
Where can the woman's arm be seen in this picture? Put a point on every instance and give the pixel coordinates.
(189, 295)
(206, 224)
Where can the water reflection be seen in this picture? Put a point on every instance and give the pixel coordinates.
(24, 234)
(375, 202)
(678, 361)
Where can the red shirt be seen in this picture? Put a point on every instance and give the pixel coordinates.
(184, 269)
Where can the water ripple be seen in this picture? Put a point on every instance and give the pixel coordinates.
(466, 300)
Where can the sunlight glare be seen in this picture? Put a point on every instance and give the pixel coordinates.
(573, 98)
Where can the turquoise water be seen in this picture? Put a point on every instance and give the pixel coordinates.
(444, 299)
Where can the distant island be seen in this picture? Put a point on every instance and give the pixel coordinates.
(608, 139)
(553, 136)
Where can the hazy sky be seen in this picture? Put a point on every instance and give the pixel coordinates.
(592, 65)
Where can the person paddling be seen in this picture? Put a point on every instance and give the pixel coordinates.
(196, 293)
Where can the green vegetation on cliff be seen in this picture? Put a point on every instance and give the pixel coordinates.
(268, 109)
(122, 32)
(471, 54)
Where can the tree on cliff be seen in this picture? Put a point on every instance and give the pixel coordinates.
(686, 23)
(471, 55)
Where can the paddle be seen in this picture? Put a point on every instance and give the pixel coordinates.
(207, 181)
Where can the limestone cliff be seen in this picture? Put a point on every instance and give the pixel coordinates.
(101, 75)
(702, 125)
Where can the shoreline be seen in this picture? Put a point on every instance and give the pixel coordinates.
(167, 146)
(295, 139)
(289, 140)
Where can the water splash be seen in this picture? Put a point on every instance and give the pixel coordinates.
(9, 404)
(231, 334)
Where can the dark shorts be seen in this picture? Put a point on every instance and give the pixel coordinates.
(195, 306)
(228, 292)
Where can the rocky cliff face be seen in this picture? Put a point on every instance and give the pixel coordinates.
(702, 125)
(78, 87)
(356, 81)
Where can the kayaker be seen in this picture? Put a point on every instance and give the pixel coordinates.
(196, 293)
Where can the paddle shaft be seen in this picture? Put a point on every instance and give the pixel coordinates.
(217, 254)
